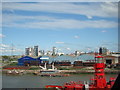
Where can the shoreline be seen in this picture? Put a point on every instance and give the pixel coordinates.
(67, 71)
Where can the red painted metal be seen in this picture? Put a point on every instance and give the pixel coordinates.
(53, 86)
(97, 83)
(98, 56)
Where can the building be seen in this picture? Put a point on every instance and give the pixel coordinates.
(88, 64)
(59, 54)
(49, 53)
(77, 53)
(111, 60)
(28, 61)
(78, 63)
(41, 52)
(29, 51)
(44, 59)
(36, 51)
(62, 63)
(103, 51)
(54, 51)
(84, 60)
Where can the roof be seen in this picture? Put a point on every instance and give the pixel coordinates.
(43, 58)
(85, 57)
(26, 58)
(62, 58)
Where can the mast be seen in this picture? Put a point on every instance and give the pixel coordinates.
(53, 66)
(45, 66)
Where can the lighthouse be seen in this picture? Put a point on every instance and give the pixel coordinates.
(99, 75)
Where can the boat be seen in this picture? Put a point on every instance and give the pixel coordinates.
(15, 72)
(98, 82)
(53, 72)
(45, 70)
(54, 75)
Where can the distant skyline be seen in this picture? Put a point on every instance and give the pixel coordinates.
(69, 26)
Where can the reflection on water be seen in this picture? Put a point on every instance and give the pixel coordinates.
(32, 81)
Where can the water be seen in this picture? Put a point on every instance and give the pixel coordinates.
(32, 81)
(0, 81)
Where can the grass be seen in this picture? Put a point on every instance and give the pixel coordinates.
(13, 64)
(34, 68)
(0, 61)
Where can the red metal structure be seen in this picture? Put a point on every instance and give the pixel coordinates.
(97, 83)
(99, 77)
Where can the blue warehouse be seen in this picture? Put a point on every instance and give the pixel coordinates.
(28, 61)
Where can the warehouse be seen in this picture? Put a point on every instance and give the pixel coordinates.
(62, 60)
(43, 60)
(27, 61)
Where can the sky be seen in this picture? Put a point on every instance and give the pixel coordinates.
(69, 26)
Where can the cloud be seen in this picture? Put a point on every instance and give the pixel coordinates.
(41, 22)
(4, 45)
(10, 18)
(88, 48)
(76, 37)
(59, 42)
(0, 15)
(68, 48)
(1, 35)
(89, 10)
(89, 17)
(110, 8)
(103, 31)
(7, 49)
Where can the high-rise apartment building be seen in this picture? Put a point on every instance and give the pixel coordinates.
(77, 53)
(36, 51)
(29, 51)
(32, 51)
(54, 51)
(103, 50)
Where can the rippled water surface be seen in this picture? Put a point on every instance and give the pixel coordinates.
(32, 81)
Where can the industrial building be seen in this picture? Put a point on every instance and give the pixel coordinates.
(26, 60)
(29, 61)
(62, 63)
(65, 60)
(112, 60)
(87, 60)
(44, 59)
(78, 63)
